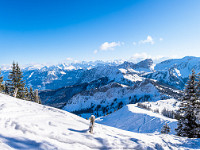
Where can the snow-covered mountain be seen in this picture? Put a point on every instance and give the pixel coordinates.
(57, 76)
(89, 84)
(58, 98)
(111, 97)
(28, 125)
(182, 66)
(175, 72)
(128, 82)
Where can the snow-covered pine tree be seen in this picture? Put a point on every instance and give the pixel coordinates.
(165, 129)
(1, 82)
(6, 90)
(31, 94)
(11, 82)
(196, 130)
(19, 83)
(198, 86)
(187, 123)
(26, 94)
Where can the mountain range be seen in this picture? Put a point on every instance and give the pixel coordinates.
(103, 87)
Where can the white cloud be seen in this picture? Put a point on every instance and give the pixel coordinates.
(95, 51)
(161, 39)
(109, 46)
(69, 59)
(137, 57)
(148, 40)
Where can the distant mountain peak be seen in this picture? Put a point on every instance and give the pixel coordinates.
(147, 63)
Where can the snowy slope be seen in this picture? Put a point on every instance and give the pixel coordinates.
(26, 125)
(108, 98)
(111, 97)
(132, 118)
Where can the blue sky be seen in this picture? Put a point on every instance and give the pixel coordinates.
(48, 31)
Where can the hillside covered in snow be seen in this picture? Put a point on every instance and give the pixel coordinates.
(142, 120)
(101, 87)
(27, 125)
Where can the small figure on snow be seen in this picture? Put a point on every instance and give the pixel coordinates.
(92, 119)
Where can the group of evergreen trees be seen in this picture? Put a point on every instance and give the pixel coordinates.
(15, 85)
(189, 111)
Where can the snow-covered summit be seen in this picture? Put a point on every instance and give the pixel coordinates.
(184, 66)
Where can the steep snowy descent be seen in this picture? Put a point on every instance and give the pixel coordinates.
(27, 125)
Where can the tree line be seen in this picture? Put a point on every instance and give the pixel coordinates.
(15, 85)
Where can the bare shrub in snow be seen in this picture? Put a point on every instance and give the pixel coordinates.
(165, 129)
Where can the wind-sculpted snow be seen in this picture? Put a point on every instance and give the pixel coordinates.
(30, 126)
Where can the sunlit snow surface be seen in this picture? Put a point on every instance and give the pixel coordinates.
(132, 118)
(27, 125)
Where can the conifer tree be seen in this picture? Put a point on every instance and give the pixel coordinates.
(198, 86)
(196, 130)
(6, 90)
(31, 94)
(26, 94)
(15, 82)
(165, 129)
(1, 82)
(19, 83)
(187, 124)
(11, 84)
